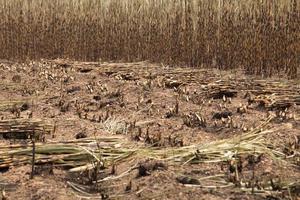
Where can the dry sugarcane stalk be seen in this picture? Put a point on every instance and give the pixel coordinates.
(218, 90)
(13, 105)
(22, 128)
(277, 101)
(78, 155)
(271, 94)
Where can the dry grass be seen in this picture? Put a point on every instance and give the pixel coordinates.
(114, 125)
(261, 36)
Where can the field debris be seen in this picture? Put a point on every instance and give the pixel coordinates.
(116, 150)
(114, 130)
(150, 99)
(23, 128)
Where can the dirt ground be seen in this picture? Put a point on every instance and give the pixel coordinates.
(171, 107)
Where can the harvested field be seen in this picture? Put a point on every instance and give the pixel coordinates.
(104, 130)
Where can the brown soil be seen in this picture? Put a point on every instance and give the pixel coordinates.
(75, 95)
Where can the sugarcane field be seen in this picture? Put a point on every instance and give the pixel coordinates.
(149, 99)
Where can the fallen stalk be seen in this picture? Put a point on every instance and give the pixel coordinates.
(79, 154)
